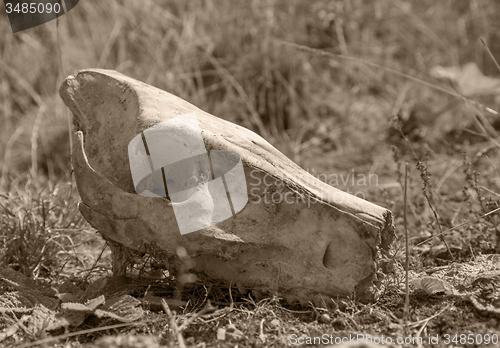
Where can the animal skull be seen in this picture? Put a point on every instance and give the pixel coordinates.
(315, 240)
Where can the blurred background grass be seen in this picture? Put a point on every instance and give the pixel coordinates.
(223, 57)
(328, 115)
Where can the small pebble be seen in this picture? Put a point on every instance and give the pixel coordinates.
(324, 318)
(275, 322)
(221, 334)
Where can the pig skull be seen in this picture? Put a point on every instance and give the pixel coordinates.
(319, 241)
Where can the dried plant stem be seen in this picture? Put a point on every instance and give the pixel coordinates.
(436, 217)
(173, 324)
(81, 332)
(407, 257)
(34, 141)
(389, 70)
(177, 329)
(425, 175)
(457, 226)
(483, 41)
(96, 261)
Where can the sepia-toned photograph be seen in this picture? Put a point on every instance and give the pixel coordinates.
(262, 173)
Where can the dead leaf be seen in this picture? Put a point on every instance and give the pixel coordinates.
(96, 302)
(123, 308)
(67, 297)
(469, 79)
(69, 318)
(25, 299)
(96, 288)
(433, 285)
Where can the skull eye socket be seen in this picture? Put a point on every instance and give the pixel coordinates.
(180, 179)
(169, 159)
(188, 173)
(152, 183)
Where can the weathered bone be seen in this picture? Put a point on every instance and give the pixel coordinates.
(326, 242)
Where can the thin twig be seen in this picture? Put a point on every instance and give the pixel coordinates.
(457, 226)
(217, 315)
(407, 257)
(177, 329)
(208, 308)
(173, 324)
(489, 52)
(78, 333)
(426, 320)
(390, 70)
(96, 261)
(425, 175)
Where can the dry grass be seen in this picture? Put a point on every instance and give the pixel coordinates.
(330, 115)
